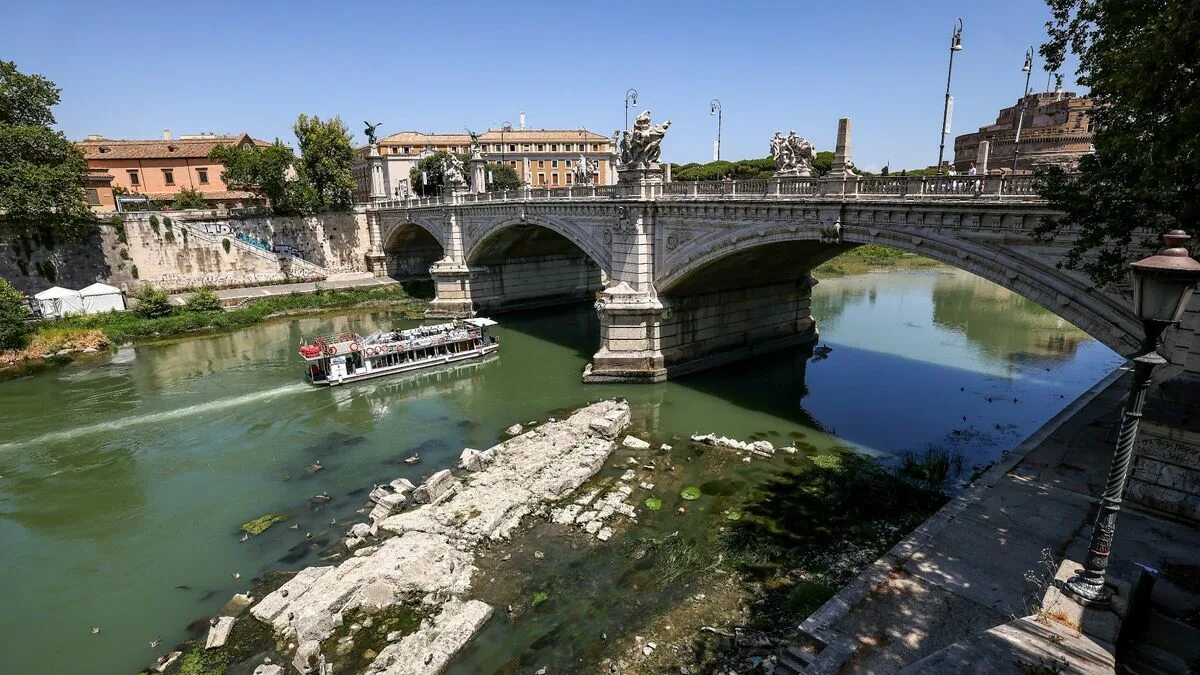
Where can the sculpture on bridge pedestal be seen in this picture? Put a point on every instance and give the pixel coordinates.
(370, 132)
(454, 171)
(476, 149)
(585, 170)
(641, 146)
(793, 155)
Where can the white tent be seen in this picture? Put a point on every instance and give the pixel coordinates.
(99, 298)
(57, 301)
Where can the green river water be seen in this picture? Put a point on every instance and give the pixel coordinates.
(124, 479)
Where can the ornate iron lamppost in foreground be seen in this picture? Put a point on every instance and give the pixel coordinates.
(1162, 285)
(955, 46)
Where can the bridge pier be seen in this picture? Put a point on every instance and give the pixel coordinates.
(452, 291)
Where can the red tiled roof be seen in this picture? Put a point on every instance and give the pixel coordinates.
(192, 148)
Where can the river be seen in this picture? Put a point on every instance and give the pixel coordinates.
(124, 479)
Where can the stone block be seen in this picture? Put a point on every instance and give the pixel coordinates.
(433, 488)
(218, 633)
(635, 443)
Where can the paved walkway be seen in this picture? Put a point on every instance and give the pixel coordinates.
(230, 296)
(963, 571)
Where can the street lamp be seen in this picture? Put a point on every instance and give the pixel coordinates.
(504, 128)
(955, 46)
(632, 93)
(1028, 70)
(714, 108)
(1162, 285)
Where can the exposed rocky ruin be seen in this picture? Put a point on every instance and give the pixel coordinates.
(424, 557)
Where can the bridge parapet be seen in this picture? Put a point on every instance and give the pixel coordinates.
(927, 188)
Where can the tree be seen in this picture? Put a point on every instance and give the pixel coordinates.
(268, 172)
(1140, 60)
(41, 172)
(434, 177)
(13, 312)
(188, 198)
(504, 177)
(326, 158)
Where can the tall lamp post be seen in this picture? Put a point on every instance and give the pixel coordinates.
(714, 108)
(631, 94)
(1028, 70)
(504, 128)
(955, 46)
(1162, 285)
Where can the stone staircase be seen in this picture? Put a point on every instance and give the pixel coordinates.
(1165, 647)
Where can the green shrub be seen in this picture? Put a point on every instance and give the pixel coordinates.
(118, 224)
(205, 299)
(48, 271)
(23, 265)
(169, 237)
(124, 253)
(14, 331)
(225, 245)
(183, 231)
(151, 302)
(154, 223)
(167, 223)
(134, 271)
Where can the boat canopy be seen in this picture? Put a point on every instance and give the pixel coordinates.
(479, 322)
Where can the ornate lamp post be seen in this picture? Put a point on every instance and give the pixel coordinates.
(955, 46)
(1028, 70)
(1162, 285)
(631, 94)
(714, 108)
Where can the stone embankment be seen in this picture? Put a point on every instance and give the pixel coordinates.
(424, 557)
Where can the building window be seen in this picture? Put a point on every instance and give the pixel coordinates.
(202, 176)
(568, 163)
(408, 149)
(133, 177)
(93, 196)
(554, 178)
(497, 147)
(541, 179)
(569, 179)
(554, 164)
(541, 164)
(512, 147)
(554, 147)
(168, 176)
(541, 147)
(525, 147)
(395, 150)
(595, 147)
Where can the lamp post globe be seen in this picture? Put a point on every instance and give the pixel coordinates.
(1162, 286)
(714, 108)
(630, 94)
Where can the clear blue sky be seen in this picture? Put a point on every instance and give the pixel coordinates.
(129, 69)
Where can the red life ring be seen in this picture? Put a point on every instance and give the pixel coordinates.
(353, 346)
(331, 350)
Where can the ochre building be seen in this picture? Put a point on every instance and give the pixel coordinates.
(541, 157)
(1057, 129)
(159, 169)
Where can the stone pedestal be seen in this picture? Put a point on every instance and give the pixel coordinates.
(981, 157)
(377, 263)
(842, 155)
(630, 338)
(452, 285)
(478, 174)
(378, 189)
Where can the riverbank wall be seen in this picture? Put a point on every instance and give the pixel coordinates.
(182, 250)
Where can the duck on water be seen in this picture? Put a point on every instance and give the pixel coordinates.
(350, 357)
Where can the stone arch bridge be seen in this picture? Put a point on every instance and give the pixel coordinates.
(688, 275)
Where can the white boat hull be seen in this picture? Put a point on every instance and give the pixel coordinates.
(366, 374)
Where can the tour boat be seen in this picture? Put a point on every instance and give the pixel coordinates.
(350, 357)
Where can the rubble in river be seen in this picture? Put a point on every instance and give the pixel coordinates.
(426, 555)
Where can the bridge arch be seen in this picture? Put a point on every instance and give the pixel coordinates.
(784, 252)
(410, 247)
(486, 237)
(531, 261)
